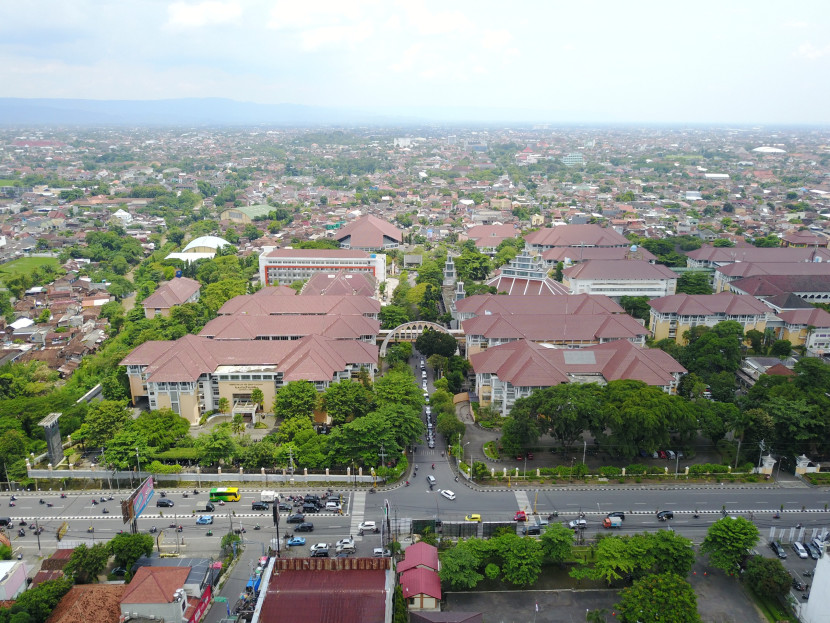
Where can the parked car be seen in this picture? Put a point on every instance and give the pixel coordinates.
(778, 549)
(295, 540)
(295, 518)
(320, 553)
(671, 455)
(380, 552)
(815, 552)
(164, 503)
(317, 546)
(662, 454)
(664, 515)
(798, 548)
(799, 585)
(448, 494)
(204, 520)
(368, 526)
(306, 526)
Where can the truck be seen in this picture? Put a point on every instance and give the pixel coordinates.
(269, 496)
(612, 522)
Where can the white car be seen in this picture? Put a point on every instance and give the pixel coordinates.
(317, 546)
(345, 543)
(426, 394)
(428, 410)
(367, 526)
(578, 524)
(424, 385)
(448, 494)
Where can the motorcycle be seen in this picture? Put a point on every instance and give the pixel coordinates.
(49, 505)
(23, 523)
(372, 490)
(110, 498)
(103, 499)
(63, 496)
(221, 502)
(105, 511)
(153, 530)
(808, 574)
(456, 479)
(163, 494)
(172, 525)
(94, 502)
(407, 483)
(195, 492)
(180, 529)
(553, 514)
(256, 527)
(13, 498)
(21, 533)
(433, 466)
(11, 504)
(90, 529)
(776, 516)
(210, 533)
(41, 501)
(184, 495)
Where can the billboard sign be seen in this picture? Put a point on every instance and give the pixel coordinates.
(132, 507)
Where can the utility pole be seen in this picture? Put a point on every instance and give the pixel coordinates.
(584, 450)
(738, 453)
(230, 521)
(37, 533)
(382, 455)
(763, 446)
(138, 464)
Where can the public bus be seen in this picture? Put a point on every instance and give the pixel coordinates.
(226, 494)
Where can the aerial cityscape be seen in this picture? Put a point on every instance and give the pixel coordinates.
(521, 324)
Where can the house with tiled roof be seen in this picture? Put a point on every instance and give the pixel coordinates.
(487, 238)
(573, 255)
(157, 592)
(616, 279)
(178, 291)
(340, 283)
(293, 327)
(711, 257)
(268, 301)
(516, 369)
(587, 235)
(802, 239)
(672, 316)
(369, 233)
(568, 304)
(90, 603)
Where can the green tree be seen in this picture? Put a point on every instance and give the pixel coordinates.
(658, 598)
(41, 600)
(565, 410)
(161, 428)
(296, 399)
(432, 342)
(450, 426)
(521, 558)
(260, 454)
(694, 283)
(128, 548)
(472, 265)
(400, 611)
(672, 553)
(257, 397)
(781, 348)
(214, 295)
(518, 432)
(238, 423)
(290, 428)
(430, 272)
(767, 576)
(557, 542)
(216, 445)
(459, 568)
(392, 316)
(346, 400)
(224, 405)
(727, 542)
(716, 418)
(398, 387)
(103, 420)
(86, 563)
(636, 306)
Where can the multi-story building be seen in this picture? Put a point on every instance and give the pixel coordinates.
(190, 375)
(568, 304)
(292, 327)
(575, 236)
(807, 327)
(617, 279)
(729, 273)
(712, 257)
(369, 233)
(285, 266)
(671, 316)
(175, 292)
(282, 301)
(526, 274)
(515, 370)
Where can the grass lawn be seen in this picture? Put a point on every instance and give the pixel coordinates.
(5, 182)
(25, 265)
(771, 608)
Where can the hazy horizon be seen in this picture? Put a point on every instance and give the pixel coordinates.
(603, 62)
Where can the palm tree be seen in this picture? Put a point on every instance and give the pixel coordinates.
(238, 424)
(596, 616)
(224, 404)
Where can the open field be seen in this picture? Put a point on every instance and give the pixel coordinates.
(25, 265)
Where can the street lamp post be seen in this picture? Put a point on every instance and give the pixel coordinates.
(463, 449)
(138, 464)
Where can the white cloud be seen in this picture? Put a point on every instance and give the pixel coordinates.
(184, 15)
(811, 52)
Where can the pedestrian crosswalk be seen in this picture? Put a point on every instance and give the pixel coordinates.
(358, 508)
(522, 500)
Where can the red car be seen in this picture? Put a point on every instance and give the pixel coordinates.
(529, 456)
(520, 516)
(663, 454)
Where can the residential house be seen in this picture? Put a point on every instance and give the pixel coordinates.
(157, 592)
(340, 283)
(178, 291)
(803, 239)
(488, 237)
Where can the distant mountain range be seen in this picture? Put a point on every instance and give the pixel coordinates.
(178, 112)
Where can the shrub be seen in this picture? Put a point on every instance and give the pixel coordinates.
(635, 469)
(609, 471)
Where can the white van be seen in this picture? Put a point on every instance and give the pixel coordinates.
(799, 549)
(269, 496)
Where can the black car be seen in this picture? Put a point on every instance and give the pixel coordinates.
(619, 514)
(285, 506)
(314, 499)
(778, 549)
(531, 530)
(311, 508)
(664, 515)
(164, 502)
(259, 506)
(295, 518)
(209, 507)
(306, 526)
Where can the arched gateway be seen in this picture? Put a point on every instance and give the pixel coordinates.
(409, 332)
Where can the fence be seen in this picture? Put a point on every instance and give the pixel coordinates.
(199, 478)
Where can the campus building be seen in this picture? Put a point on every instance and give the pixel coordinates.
(285, 266)
(618, 279)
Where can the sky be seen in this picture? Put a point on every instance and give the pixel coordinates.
(725, 61)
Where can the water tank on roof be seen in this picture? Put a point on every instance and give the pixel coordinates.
(633, 248)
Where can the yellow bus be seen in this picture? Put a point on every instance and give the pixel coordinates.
(227, 494)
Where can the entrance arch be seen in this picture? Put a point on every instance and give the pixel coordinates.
(409, 332)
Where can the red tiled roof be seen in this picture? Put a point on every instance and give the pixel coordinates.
(577, 235)
(368, 232)
(350, 327)
(263, 304)
(710, 304)
(491, 235)
(583, 254)
(750, 269)
(420, 581)
(340, 283)
(421, 554)
(808, 317)
(480, 304)
(555, 328)
(626, 270)
(313, 358)
(728, 255)
(770, 285)
(172, 293)
(155, 585)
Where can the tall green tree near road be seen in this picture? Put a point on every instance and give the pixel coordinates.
(86, 563)
(521, 558)
(519, 431)
(564, 410)
(657, 599)
(459, 568)
(347, 400)
(128, 548)
(671, 552)
(257, 397)
(398, 387)
(767, 576)
(557, 542)
(103, 420)
(392, 316)
(694, 283)
(432, 342)
(727, 542)
(296, 399)
(216, 445)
